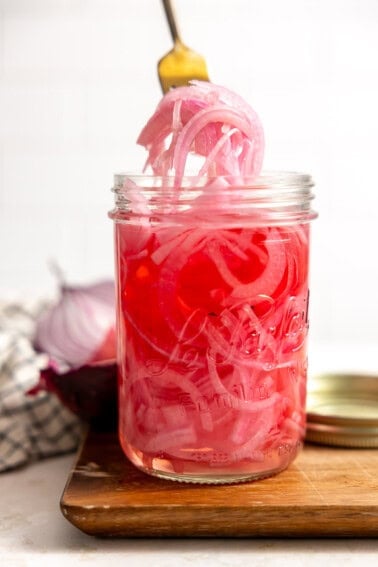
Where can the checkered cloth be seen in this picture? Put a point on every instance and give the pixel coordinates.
(31, 427)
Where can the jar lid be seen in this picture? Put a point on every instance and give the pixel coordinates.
(342, 410)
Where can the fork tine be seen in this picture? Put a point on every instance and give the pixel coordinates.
(180, 66)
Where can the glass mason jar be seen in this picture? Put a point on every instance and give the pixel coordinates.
(212, 315)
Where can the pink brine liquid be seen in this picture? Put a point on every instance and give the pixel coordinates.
(212, 327)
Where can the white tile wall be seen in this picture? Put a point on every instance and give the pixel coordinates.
(78, 80)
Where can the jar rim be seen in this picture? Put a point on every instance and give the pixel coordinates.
(272, 179)
(273, 197)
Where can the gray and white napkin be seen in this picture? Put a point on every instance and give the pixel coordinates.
(31, 427)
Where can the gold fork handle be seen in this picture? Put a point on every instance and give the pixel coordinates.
(170, 14)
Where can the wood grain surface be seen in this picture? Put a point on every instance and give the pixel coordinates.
(327, 492)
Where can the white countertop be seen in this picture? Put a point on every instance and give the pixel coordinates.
(34, 533)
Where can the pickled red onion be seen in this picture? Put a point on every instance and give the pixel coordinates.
(210, 121)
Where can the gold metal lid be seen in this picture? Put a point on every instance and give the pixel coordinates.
(342, 410)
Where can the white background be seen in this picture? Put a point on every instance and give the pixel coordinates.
(78, 80)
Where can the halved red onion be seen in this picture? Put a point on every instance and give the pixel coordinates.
(78, 335)
(80, 328)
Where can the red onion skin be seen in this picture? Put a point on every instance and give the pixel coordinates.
(90, 392)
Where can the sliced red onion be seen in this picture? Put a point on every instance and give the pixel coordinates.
(209, 121)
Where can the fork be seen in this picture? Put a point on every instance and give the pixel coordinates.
(181, 64)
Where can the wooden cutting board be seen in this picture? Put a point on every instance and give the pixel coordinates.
(326, 492)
